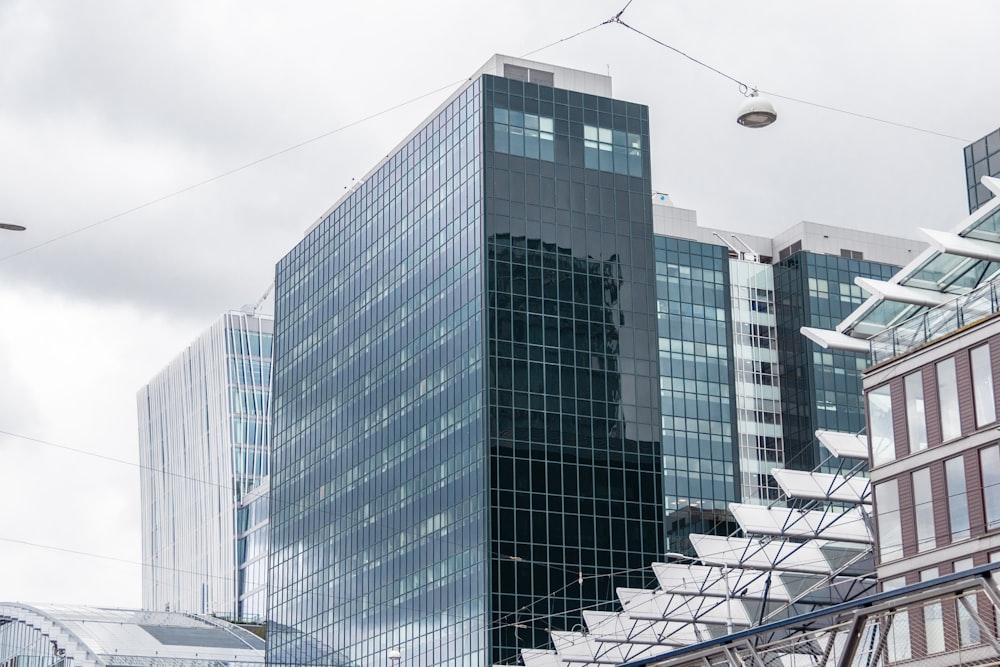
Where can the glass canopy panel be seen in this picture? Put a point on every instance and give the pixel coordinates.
(609, 625)
(540, 658)
(822, 486)
(885, 313)
(576, 647)
(766, 554)
(854, 560)
(844, 445)
(707, 580)
(144, 638)
(986, 230)
(846, 526)
(938, 271)
(977, 273)
(642, 603)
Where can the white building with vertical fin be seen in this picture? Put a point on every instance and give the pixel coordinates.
(203, 445)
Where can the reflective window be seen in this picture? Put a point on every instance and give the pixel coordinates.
(951, 423)
(968, 629)
(933, 618)
(958, 500)
(982, 386)
(523, 134)
(815, 290)
(612, 150)
(916, 420)
(898, 642)
(890, 535)
(881, 434)
(697, 405)
(923, 509)
(989, 465)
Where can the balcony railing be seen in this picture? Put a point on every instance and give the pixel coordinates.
(939, 321)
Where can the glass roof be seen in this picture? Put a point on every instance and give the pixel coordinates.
(146, 637)
(934, 270)
(805, 485)
(847, 526)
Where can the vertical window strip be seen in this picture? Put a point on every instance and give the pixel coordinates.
(982, 386)
(989, 466)
(958, 500)
(916, 419)
(947, 382)
(923, 509)
(968, 629)
(890, 534)
(898, 641)
(882, 438)
(933, 618)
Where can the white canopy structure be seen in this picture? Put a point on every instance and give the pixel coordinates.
(947, 286)
(801, 553)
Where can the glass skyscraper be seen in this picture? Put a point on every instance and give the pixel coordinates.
(982, 158)
(204, 429)
(694, 319)
(467, 450)
(506, 382)
(821, 389)
(742, 391)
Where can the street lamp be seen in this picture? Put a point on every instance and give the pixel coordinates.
(756, 111)
(12, 227)
(395, 656)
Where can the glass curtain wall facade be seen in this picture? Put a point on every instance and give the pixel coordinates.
(378, 521)
(465, 404)
(821, 389)
(698, 423)
(204, 431)
(574, 451)
(251, 555)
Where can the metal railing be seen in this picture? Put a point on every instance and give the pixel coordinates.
(949, 317)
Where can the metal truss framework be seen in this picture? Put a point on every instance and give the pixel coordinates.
(950, 621)
(802, 553)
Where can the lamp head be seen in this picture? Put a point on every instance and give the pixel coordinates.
(756, 111)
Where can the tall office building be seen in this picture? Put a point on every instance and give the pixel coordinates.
(466, 448)
(741, 391)
(982, 158)
(815, 287)
(499, 395)
(203, 440)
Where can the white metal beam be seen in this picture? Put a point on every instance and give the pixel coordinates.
(823, 486)
(953, 244)
(844, 445)
(902, 294)
(834, 340)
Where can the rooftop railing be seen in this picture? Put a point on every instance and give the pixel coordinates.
(939, 321)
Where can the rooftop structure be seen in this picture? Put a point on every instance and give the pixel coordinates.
(75, 636)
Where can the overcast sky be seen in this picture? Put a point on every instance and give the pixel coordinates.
(107, 106)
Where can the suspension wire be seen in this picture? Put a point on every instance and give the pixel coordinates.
(867, 117)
